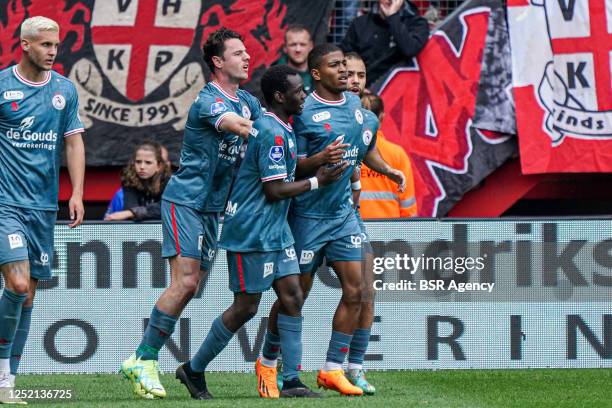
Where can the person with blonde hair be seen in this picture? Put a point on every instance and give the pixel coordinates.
(38, 117)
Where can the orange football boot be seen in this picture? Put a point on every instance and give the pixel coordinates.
(336, 381)
(266, 381)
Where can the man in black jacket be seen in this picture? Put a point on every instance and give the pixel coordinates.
(391, 33)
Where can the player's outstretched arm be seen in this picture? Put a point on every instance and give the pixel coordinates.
(232, 123)
(332, 154)
(279, 190)
(75, 158)
(374, 160)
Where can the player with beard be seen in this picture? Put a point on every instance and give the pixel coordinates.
(218, 121)
(323, 221)
(361, 337)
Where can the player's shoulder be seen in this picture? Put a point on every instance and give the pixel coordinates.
(264, 123)
(246, 95)
(62, 82)
(352, 99)
(6, 73)
(209, 93)
(57, 77)
(269, 126)
(369, 116)
(311, 103)
(210, 98)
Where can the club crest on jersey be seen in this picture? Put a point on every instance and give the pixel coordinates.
(367, 137)
(268, 269)
(277, 153)
(217, 108)
(278, 140)
(246, 112)
(358, 116)
(321, 116)
(13, 95)
(58, 101)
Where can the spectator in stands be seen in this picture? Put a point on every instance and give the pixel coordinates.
(298, 44)
(142, 183)
(379, 197)
(391, 33)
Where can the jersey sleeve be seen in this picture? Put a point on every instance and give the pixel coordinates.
(255, 107)
(271, 160)
(373, 124)
(73, 124)
(212, 110)
(300, 137)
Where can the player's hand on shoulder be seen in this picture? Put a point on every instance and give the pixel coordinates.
(329, 174)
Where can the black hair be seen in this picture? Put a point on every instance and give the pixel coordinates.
(215, 45)
(373, 103)
(276, 79)
(353, 55)
(296, 28)
(318, 52)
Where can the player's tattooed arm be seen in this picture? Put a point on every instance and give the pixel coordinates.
(276, 190)
(374, 161)
(332, 154)
(75, 159)
(232, 123)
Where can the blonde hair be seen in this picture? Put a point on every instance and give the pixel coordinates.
(33, 25)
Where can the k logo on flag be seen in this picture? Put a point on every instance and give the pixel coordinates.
(141, 49)
(576, 87)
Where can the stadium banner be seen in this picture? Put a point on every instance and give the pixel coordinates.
(450, 294)
(137, 65)
(562, 64)
(450, 107)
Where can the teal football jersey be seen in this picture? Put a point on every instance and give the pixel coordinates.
(208, 155)
(34, 119)
(252, 223)
(321, 123)
(369, 130)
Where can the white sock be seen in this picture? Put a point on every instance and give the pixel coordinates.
(331, 366)
(12, 379)
(269, 363)
(5, 365)
(355, 366)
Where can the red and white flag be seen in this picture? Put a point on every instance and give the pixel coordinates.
(562, 80)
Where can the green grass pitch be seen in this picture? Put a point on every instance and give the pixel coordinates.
(443, 388)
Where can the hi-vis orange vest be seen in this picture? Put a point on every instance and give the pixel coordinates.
(379, 196)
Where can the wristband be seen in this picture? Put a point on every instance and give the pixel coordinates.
(314, 183)
(356, 185)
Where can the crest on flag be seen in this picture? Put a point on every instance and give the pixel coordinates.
(576, 87)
